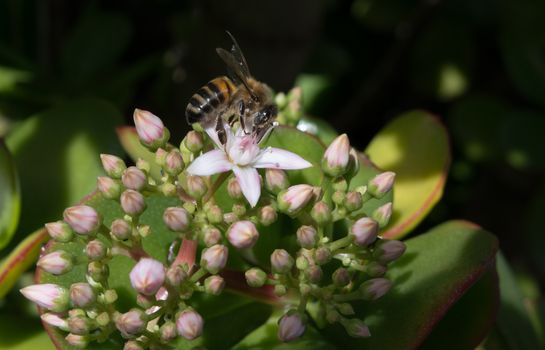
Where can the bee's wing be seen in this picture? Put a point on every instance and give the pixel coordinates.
(237, 68)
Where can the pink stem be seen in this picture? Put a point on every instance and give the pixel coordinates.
(236, 282)
(187, 253)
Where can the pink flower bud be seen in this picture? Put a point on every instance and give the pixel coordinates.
(55, 321)
(109, 187)
(97, 271)
(306, 236)
(374, 288)
(214, 285)
(322, 255)
(388, 250)
(336, 156)
(382, 214)
(381, 184)
(121, 229)
(82, 218)
(255, 277)
(113, 166)
(59, 231)
(49, 296)
(134, 178)
(160, 156)
(214, 258)
(133, 345)
(242, 234)
(132, 202)
(364, 231)
(375, 269)
(189, 324)
(314, 273)
(353, 164)
(281, 261)
(341, 277)
(147, 276)
(96, 250)
(196, 187)
(56, 263)
(78, 341)
(233, 188)
(176, 275)
(168, 331)
(177, 219)
(267, 215)
(150, 129)
(353, 201)
(276, 180)
(174, 163)
(211, 236)
(290, 327)
(295, 198)
(131, 323)
(214, 214)
(321, 213)
(79, 324)
(356, 328)
(82, 295)
(143, 165)
(194, 141)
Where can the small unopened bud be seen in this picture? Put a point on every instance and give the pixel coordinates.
(56, 263)
(143, 165)
(174, 163)
(133, 345)
(97, 271)
(80, 325)
(242, 234)
(194, 141)
(196, 187)
(281, 261)
(147, 276)
(388, 250)
(59, 231)
(336, 156)
(211, 236)
(177, 219)
(176, 275)
(96, 250)
(301, 263)
(233, 188)
(168, 331)
(374, 288)
(295, 198)
(230, 218)
(103, 319)
(322, 255)
(338, 197)
(151, 130)
(375, 269)
(50, 296)
(314, 273)
(280, 290)
(340, 184)
(160, 156)
(214, 214)
(346, 309)
(121, 229)
(356, 328)
(109, 296)
(77, 341)
(255, 277)
(276, 180)
(82, 295)
(113, 165)
(131, 323)
(353, 164)
(353, 201)
(214, 258)
(55, 321)
(341, 277)
(214, 285)
(82, 218)
(134, 178)
(307, 236)
(382, 214)
(381, 184)
(109, 187)
(239, 209)
(144, 230)
(189, 324)
(321, 213)
(364, 231)
(290, 327)
(267, 215)
(145, 301)
(132, 202)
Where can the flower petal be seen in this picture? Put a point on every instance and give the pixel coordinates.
(212, 162)
(276, 158)
(211, 131)
(250, 184)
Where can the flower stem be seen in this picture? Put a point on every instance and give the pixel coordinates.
(200, 273)
(187, 253)
(215, 186)
(340, 243)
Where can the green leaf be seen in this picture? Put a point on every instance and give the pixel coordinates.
(437, 269)
(131, 144)
(415, 146)
(22, 333)
(57, 156)
(10, 200)
(319, 128)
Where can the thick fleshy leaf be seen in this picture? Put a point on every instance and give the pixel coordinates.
(10, 200)
(18, 332)
(319, 128)
(415, 146)
(131, 144)
(437, 269)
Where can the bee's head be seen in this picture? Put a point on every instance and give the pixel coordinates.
(265, 116)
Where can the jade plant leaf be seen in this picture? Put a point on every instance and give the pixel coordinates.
(10, 200)
(319, 128)
(415, 146)
(22, 333)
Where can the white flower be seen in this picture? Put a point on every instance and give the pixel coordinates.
(242, 155)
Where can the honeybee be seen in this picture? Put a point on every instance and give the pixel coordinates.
(236, 97)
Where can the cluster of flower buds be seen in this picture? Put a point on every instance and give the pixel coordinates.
(208, 232)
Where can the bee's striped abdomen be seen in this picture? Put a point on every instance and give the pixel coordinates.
(208, 98)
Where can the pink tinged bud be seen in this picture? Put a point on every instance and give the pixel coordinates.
(82, 218)
(150, 129)
(79, 324)
(131, 323)
(388, 250)
(56, 263)
(382, 214)
(281, 261)
(133, 345)
(147, 276)
(341, 277)
(194, 141)
(160, 156)
(168, 331)
(321, 213)
(214, 214)
(49, 296)
(364, 231)
(214, 285)
(174, 163)
(322, 255)
(276, 180)
(267, 215)
(290, 327)
(233, 189)
(211, 236)
(214, 258)
(242, 234)
(96, 250)
(374, 288)
(59, 231)
(121, 229)
(176, 275)
(381, 184)
(295, 198)
(353, 201)
(78, 341)
(132, 202)
(307, 236)
(143, 165)
(134, 178)
(353, 164)
(337, 156)
(356, 328)
(196, 187)
(55, 321)
(113, 166)
(177, 219)
(255, 277)
(375, 269)
(189, 324)
(314, 273)
(109, 187)
(82, 295)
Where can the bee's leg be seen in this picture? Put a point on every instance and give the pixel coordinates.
(241, 111)
(220, 130)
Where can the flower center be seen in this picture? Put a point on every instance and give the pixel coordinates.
(243, 150)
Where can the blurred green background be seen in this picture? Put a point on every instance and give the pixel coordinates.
(72, 71)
